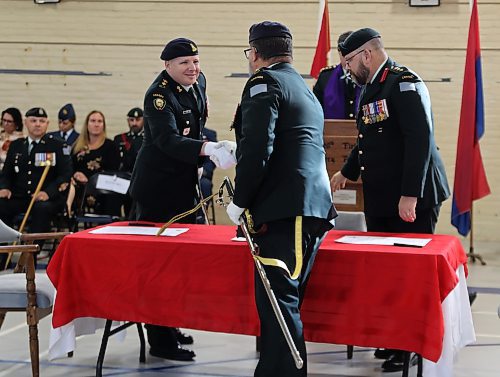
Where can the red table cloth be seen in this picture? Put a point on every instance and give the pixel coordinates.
(365, 295)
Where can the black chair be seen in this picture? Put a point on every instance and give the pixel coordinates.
(101, 204)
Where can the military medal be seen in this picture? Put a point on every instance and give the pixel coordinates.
(375, 112)
(44, 159)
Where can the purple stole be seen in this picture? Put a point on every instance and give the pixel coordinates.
(334, 97)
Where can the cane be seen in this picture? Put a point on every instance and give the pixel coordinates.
(254, 249)
(47, 163)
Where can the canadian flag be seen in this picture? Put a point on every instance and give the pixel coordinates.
(323, 47)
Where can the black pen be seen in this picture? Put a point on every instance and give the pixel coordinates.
(405, 245)
(140, 224)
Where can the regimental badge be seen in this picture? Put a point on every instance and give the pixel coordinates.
(193, 47)
(65, 112)
(44, 159)
(375, 112)
(159, 103)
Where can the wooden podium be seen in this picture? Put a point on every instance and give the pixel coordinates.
(340, 138)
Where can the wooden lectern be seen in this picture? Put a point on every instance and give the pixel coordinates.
(340, 138)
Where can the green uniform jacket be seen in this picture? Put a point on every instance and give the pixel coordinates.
(165, 172)
(281, 171)
(396, 154)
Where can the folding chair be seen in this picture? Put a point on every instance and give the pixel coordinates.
(25, 290)
(105, 189)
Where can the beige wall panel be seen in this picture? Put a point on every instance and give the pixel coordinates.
(122, 39)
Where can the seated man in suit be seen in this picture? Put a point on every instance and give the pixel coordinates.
(67, 120)
(23, 170)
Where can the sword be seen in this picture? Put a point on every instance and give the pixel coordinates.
(254, 249)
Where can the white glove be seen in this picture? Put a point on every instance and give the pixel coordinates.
(223, 159)
(230, 146)
(209, 148)
(234, 212)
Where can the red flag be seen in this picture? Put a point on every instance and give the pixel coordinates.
(470, 178)
(323, 47)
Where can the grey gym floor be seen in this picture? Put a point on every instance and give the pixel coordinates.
(225, 355)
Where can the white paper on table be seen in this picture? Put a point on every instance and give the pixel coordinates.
(112, 183)
(139, 230)
(238, 239)
(389, 241)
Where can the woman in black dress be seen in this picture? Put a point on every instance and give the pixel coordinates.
(91, 154)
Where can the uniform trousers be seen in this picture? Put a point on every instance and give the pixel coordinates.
(41, 213)
(279, 242)
(425, 222)
(40, 216)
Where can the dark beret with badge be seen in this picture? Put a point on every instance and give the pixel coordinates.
(67, 112)
(179, 47)
(38, 112)
(136, 112)
(357, 39)
(268, 29)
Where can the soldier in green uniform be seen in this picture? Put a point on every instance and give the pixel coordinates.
(404, 180)
(166, 171)
(23, 169)
(281, 179)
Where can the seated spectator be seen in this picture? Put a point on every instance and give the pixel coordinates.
(91, 154)
(130, 142)
(67, 119)
(11, 129)
(23, 170)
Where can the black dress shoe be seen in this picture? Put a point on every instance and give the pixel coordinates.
(396, 362)
(183, 338)
(383, 353)
(179, 354)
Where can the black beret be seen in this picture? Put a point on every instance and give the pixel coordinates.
(38, 112)
(268, 29)
(179, 47)
(136, 112)
(357, 39)
(67, 112)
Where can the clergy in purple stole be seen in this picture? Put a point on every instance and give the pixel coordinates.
(337, 93)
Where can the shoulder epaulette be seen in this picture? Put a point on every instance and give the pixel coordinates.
(397, 69)
(328, 68)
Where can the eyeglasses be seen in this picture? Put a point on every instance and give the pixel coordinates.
(247, 52)
(347, 61)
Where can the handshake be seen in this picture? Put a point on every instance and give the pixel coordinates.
(222, 153)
